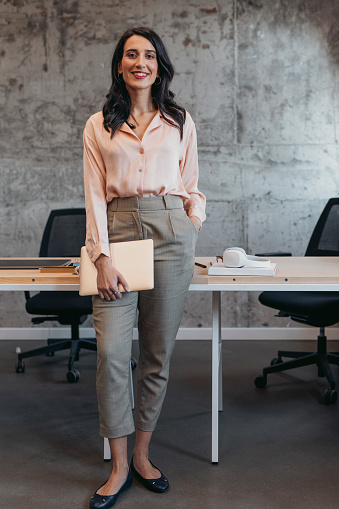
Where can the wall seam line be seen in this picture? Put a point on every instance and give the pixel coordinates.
(236, 81)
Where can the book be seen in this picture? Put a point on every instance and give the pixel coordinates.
(219, 269)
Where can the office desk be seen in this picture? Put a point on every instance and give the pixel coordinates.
(292, 274)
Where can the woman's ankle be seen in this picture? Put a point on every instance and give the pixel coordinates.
(120, 468)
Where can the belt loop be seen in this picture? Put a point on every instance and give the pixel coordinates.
(115, 204)
(164, 198)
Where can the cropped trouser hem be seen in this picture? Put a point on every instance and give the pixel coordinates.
(145, 426)
(117, 432)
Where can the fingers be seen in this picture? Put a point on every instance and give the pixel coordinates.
(123, 282)
(108, 280)
(109, 294)
(111, 291)
(197, 222)
(108, 288)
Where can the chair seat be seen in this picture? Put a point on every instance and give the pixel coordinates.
(64, 235)
(62, 303)
(319, 309)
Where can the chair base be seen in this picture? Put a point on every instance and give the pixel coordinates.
(56, 346)
(320, 358)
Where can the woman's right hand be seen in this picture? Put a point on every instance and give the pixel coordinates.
(108, 279)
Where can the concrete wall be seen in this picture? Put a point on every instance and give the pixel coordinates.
(260, 78)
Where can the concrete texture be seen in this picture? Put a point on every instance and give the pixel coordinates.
(278, 447)
(259, 78)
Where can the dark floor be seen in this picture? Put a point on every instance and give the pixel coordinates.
(278, 447)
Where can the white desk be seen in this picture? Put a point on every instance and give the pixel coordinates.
(292, 274)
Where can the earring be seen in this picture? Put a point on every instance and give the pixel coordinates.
(157, 78)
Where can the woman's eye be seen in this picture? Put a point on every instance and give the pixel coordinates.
(131, 55)
(150, 56)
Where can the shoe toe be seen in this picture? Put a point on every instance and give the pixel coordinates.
(100, 502)
(160, 485)
(156, 485)
(107, 501)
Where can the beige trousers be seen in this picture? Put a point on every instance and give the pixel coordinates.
(159, 313)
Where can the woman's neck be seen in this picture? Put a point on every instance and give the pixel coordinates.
(141, 102)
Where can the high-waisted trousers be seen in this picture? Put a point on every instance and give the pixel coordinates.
(160, 310)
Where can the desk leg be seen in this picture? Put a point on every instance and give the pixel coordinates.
(216, 372)
(107, 450)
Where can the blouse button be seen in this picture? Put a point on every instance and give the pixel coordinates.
(139, 190)
(142, 151)
(140, 169)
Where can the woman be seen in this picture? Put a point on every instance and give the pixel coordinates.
(141, 174)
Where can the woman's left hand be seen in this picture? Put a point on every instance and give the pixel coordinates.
(196, 221)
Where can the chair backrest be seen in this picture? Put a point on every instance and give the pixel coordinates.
(325, 237)
(65, 233)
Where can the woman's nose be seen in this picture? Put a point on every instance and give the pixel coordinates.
(140, 61)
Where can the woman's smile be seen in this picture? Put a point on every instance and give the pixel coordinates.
(140, 75)
(139, 63)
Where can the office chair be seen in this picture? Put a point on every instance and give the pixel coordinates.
(318, 309)
(63, 236)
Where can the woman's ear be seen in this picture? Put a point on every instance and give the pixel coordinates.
(119, 68)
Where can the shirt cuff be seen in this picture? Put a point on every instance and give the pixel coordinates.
(195, 211)
(97, 251)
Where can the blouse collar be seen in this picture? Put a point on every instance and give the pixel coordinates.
(155, 122)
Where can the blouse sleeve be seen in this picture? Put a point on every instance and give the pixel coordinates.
(196, 203)
(95, 196)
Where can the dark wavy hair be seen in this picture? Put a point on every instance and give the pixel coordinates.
(117, 107)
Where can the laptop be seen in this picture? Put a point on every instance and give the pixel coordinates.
(134, 259)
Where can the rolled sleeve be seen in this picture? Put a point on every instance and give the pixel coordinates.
(196, 203)
(95, 197)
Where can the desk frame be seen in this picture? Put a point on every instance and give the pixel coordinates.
(293, 274)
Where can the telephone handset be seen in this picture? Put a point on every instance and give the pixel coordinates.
(237, 257)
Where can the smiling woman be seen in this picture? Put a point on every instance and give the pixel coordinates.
(139, 69)
(141, 181)
(147, 51)
(139, 61)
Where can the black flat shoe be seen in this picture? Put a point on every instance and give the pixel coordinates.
(157, 485)
(106, 501)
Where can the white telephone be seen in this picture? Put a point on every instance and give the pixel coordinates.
(237, 257)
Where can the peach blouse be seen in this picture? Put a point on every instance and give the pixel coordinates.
(158, 164)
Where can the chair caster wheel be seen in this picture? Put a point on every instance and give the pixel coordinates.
(20, 367)
(276, 360)
(260, 382)
(133, 364)
(73, 376)
(50, 354)
(331, 396)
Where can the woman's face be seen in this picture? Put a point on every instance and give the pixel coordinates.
(139, 65)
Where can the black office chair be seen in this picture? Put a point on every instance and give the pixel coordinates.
(318, 309)
(63, 236)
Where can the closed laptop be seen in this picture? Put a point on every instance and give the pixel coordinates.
(133, 259)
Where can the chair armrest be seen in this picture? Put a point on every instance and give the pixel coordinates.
(279, 253)
(27, 296)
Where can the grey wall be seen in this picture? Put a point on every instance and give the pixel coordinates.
(260, 78)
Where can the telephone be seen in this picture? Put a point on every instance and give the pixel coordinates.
(237, 257)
